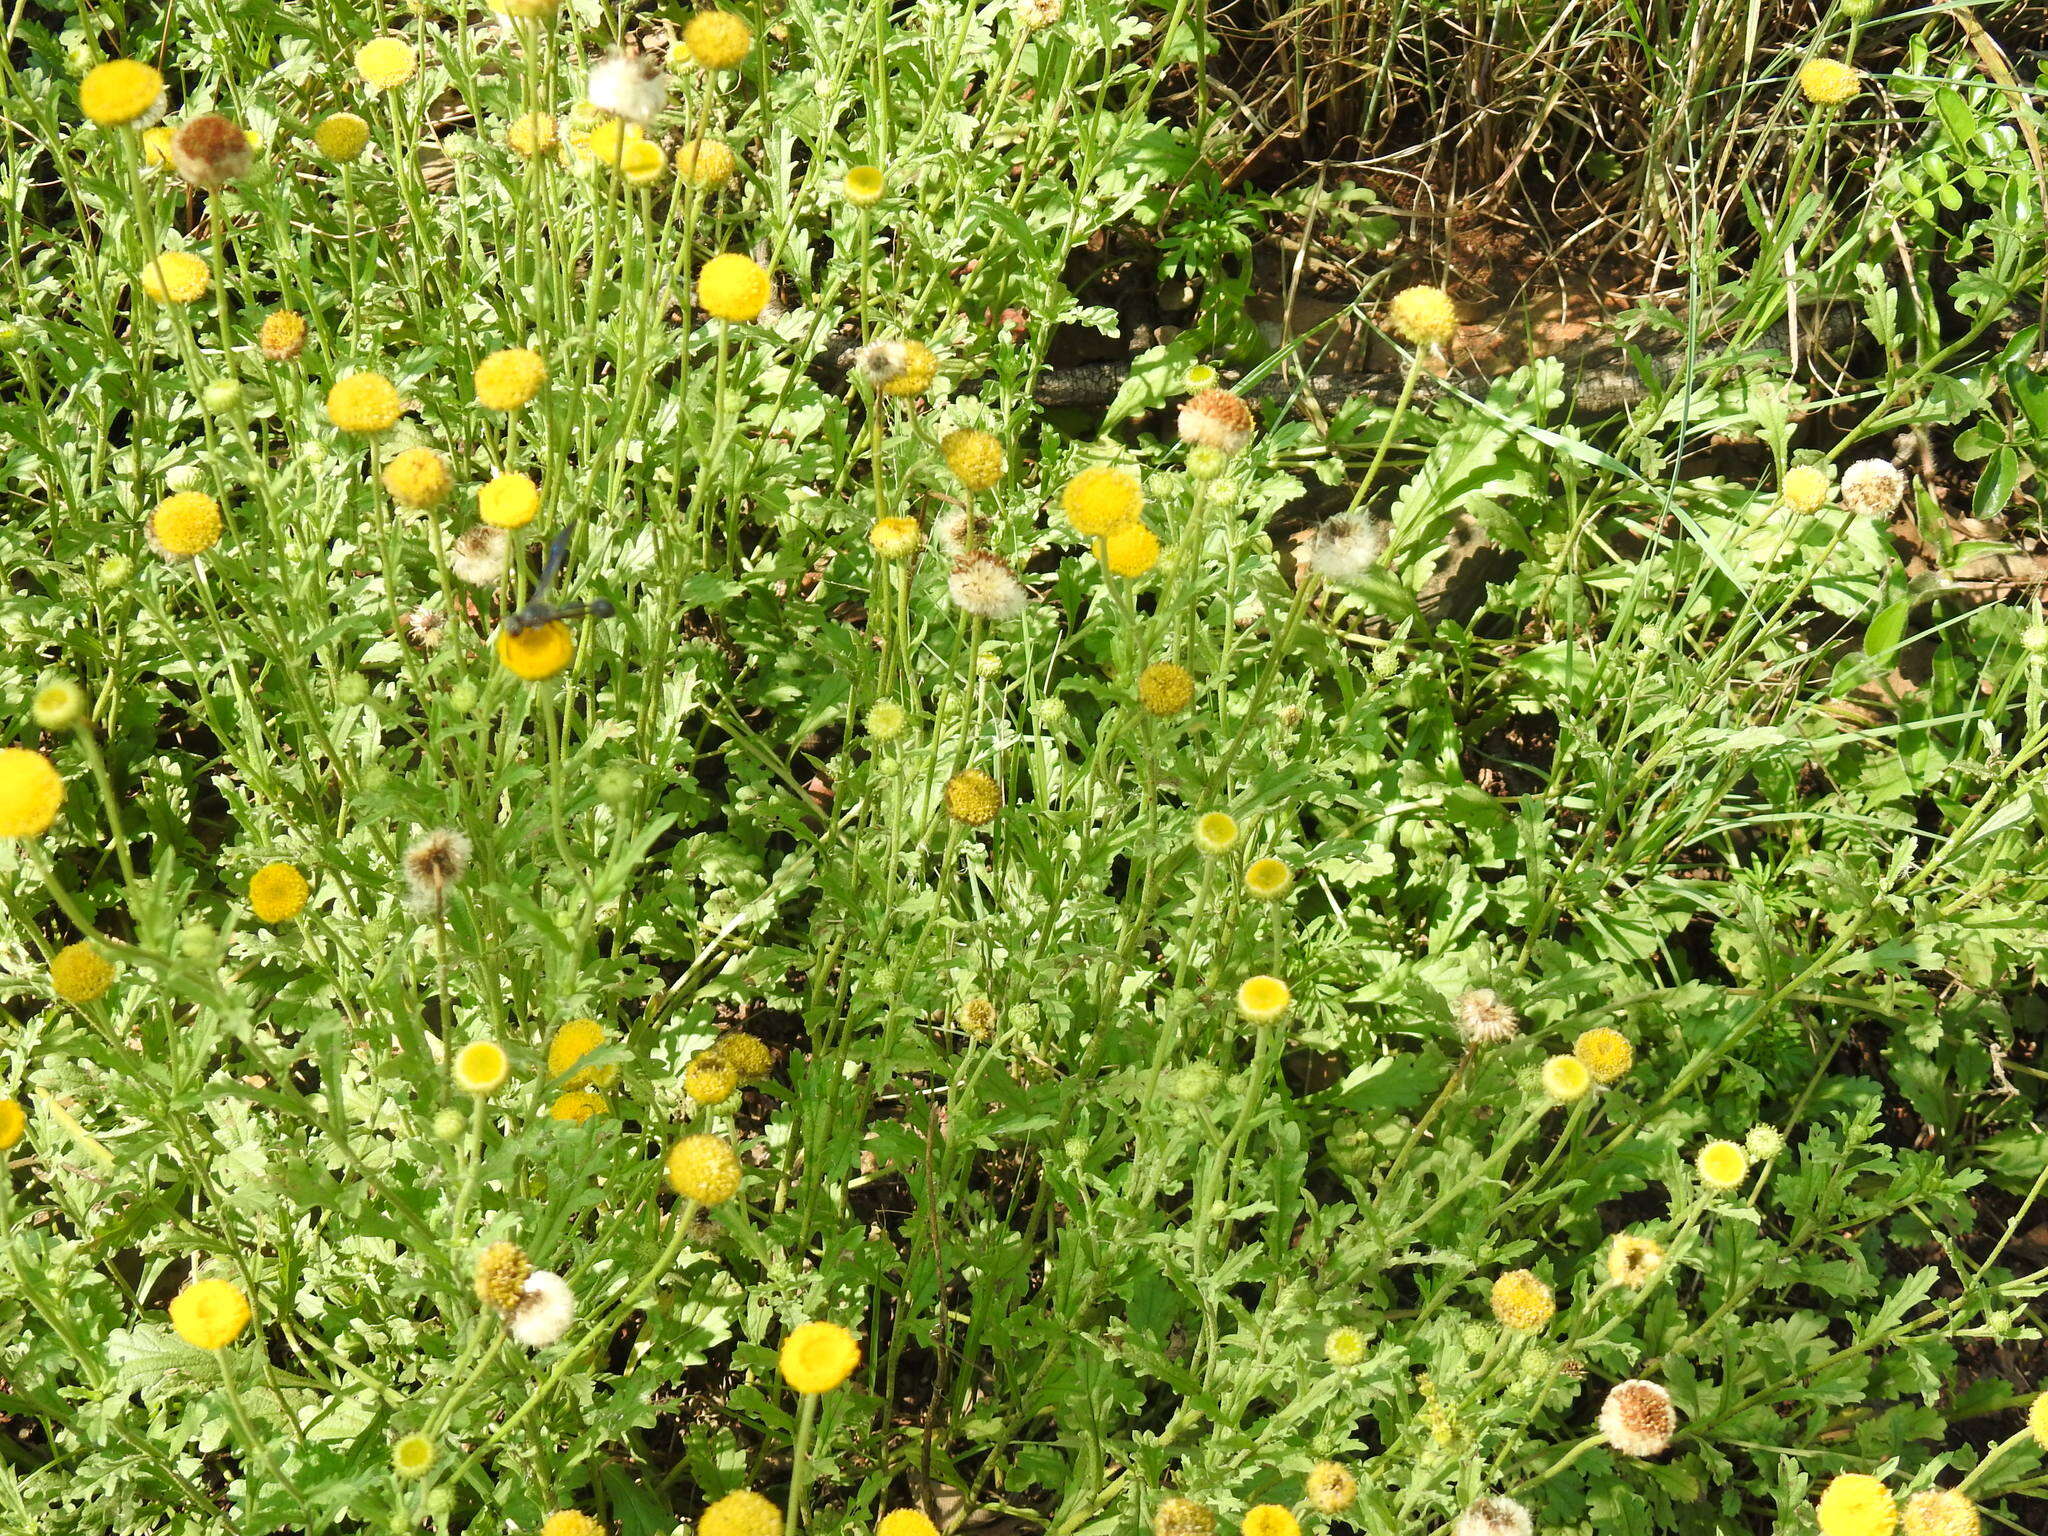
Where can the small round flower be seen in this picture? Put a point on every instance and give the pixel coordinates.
(1828, 82)
(1330, 1488)
(1131, 550)
(742, 1513)
(212, 150)
(1566, 1080)
(905, 1522)
(221, 396)
(1722, 1164)
(510, 500)
(709, 1079)
(1637, 1418)
(1495, 1516)
(278, 892)
(412, 1455)
(816, 1357)
(1423, 316)
(1483, 1019)
(536, 653)
(913, 367)
(1269, 1520)
(1856, 1504)
(341, 137)
(1344, 1346)
(13, 1124)
(1100, 500)
(509, 378)
(479, 555)
(895, 538)
(1606, 1054)
(184, 525)
(156, 146)
(733, 288)
(863, 186)
(176, 277)
(481, 1068)
(1268, 878)
(283, 336)
(531, 133)
(1037, 15)
(577, 1106)
(80, 974)
(58, 705)
(386, 63)
(1940, 1512)
(1262, 999)
(546, 1309)
(364, 402)
(975, 457)
(1522, 1302)
(2037, 1419)
(717, 39)
(985, 587)
(1217, 419)
(418, 477)
(705, 164)
(501, 1274)
(886, 719)
(977, 1018)
(641, 162)
(570, 1522)
(31, 793)
(746, 1055)
(704, 1169)
(1206, 463)
(1215, 832)
(210, 1314)
(973, 798)
(122, 93)
(1873, 488)
(1805, 488)
(1165, 688)
(1633, 1261)
(568, 1047)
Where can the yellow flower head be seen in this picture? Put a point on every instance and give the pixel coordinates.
(1101, 500)
(176, 277)
(1330, 1488)
(536, 653)
(1633, 1261)
(364, 402)
(717, 39)
(1269, 1520)
(1180, 1517)
(1344, 1347)
(1940, 1512)
(524, 10)
(210, 1314)
(283, 336)
(122, 93)
(412, 1455)
(710, 1078)
(1423, 316)
(1722, 1164)
(895, 538)
(863, 186)
(156, 145)
(905, 1522)
(704, 1169)
(1268, 878)
(185, 524)
(13, 1124)
(532, 133)
(1262, 999)
(975, 458)
(566, 1050)
(386, 63)
(1522, 1302)
(733, 287)
(577, 1106)
(80, 974)
(58, 705)
(915, 366)
(639, 161)
(31, 793)
(1828, 82)
(569, 1522)
(744, 1513)
(508, 379)
(973, 798)
(1856, 1504)
(1165, 688)
(509, 500)
(481, 1068)
(1806, 488)
(278, 892)
(2037, 1419)
(341, 137)
(1565, 1079)
(705, 164)
(1215, 832)
(816, 1357)
(501, 1274)
(1606, 1053)
(1130, 550)
(418, 477)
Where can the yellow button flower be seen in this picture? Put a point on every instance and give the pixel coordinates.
(1215, 832)
(717, 39)
(1566, 1080)
(570, 1044)
(1099, 501)
(732, 287)
(816, 1357)
(1521, 1302)
(973, 798)
(1722, 1164)
(386, 63)
(537, 653)
(418, 477)
(185, 524)
(481, 1068)
(744, 1513)
(1828, 82)
(704, 1169)
(122, 93)
(1165, 688)
(210, 1314)
(508, 501)
(278, 892)
(1262, 999)
(975, 458)
(1856, 1504)
(1606, 1054)
(1130, 551)
(31, 793)
(577, 1106)
(176, 277)
(1423, 316)
(705, 164)
(80, 974)
(364, 402)
(13, 1124)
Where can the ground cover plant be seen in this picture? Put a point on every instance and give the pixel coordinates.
(832, 768)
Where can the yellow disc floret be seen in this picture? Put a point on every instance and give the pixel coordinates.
(975, 458)
(570, 1045)
(704, 1169)
(1722, 1164)
(1423, 316)
(733, 287)
(185, 524)
(1856, 1504)
(210, 1314)
(1829, 82)
(176, 277)
(816, 1357)
(717, 39)
(1165, 688)
(973, 798)
(1605, 1053)
(121, 92)
(278, 892)
(80, 974)
(31, 793)
(364, 402)
(1521, 1302)
(341, 137)
(537, 653)
(1263, 999)
(386, 63)
(745, 1513)
(508, 501)
(705, 164)
(418, 477)
(1100, 500)
(508, 379)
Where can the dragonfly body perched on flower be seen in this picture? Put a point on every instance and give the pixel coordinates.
(536, 610)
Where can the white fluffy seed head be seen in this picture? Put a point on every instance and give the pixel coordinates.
(1343, 548)
(631, 86)
(546, 1309)
(985, 587)
(1638, 1419)
(1495, 1516)
(1873, 488)
(479, 554)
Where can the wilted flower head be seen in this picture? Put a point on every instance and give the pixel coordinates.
(628, 85)
(1343, 548)
(210, 151)
(1216, 418)
(437, 861)
(478, 555)
(545, 1309)
(1182, 1517)
(1483, 1019)
(1873, 488)
(1637, 1419)
(1633, 1261)
(985, 587)
(1495, 1516)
